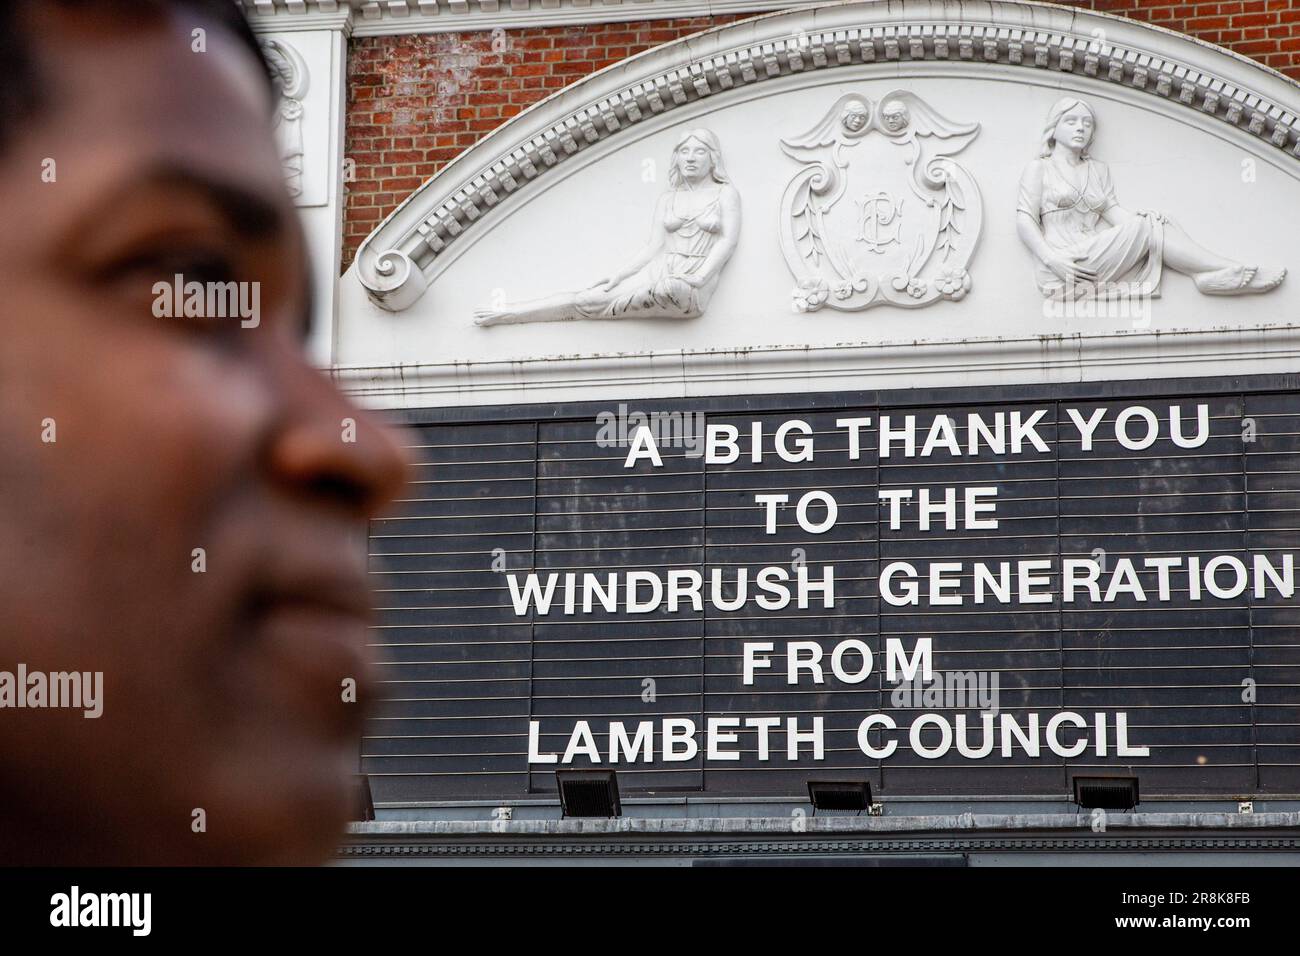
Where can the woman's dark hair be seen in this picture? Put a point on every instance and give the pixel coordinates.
(20, 78)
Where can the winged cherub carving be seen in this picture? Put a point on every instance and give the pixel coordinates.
(904, 178)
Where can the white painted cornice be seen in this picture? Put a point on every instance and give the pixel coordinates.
(290, 16)
(393, 17)
(1038, 359)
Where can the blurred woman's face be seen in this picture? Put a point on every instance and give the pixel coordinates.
(193, 530)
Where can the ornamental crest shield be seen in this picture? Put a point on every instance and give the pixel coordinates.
(879, 212)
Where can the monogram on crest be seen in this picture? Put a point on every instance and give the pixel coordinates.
(879, 212)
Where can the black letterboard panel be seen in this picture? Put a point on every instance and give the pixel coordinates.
(1211, 686)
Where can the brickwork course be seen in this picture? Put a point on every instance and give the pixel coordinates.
(416, 102)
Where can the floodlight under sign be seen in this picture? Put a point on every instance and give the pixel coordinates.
(1106, 793)
(588, 793)
(850, 795)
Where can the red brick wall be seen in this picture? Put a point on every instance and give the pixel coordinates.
(415, 102)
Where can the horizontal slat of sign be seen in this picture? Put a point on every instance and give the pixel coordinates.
(1273, 520)
(464, 673)
(455, 662)
(738, 537)
(970, 638)
(1199, 509)
(597, 516)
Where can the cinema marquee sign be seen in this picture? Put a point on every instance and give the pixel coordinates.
(979, 323)
(975, 591)
(1136, 579)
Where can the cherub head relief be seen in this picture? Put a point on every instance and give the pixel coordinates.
(894, 116)
(855, 117)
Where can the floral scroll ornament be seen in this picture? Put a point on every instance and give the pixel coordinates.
(879, 212)
(954, 284)
(811, 294)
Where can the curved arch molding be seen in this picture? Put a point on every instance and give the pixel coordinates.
(1220, 87)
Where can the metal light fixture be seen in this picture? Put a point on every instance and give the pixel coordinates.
(1106, 793)
(839, 795)
(588, 793)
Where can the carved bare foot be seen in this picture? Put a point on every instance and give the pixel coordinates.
(1240, 280)
(1266, 280)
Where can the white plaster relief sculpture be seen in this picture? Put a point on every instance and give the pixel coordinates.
(880, 213)
(289, 71)
(693, 235)
(1088, 245)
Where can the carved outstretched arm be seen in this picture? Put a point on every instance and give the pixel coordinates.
(728, 237)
